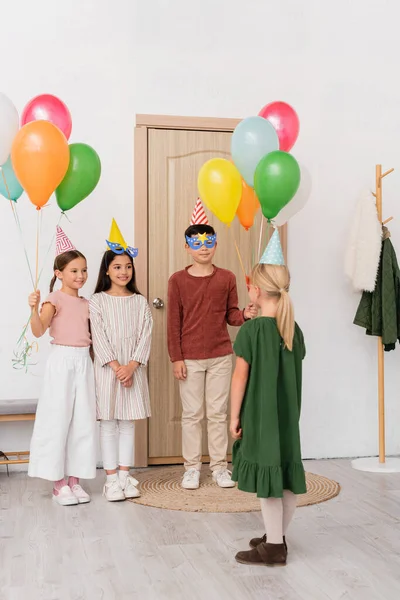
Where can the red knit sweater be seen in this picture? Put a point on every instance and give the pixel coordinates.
(199, 309)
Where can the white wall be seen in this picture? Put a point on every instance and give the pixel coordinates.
(337, 66)
(84, 53)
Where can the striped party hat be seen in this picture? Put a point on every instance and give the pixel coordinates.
(63, 243)
(273, 254)
(199, 217)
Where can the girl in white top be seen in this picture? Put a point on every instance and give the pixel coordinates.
(121, 324)
(63, 441)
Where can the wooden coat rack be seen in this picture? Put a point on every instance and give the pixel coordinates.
(382, 464)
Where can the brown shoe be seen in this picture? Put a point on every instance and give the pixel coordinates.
(269, 555)
(257, 541)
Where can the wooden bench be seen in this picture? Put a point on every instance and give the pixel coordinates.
(16, 410)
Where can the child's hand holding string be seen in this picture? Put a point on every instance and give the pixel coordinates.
(235, 429)
(34, 300)
(251, 311)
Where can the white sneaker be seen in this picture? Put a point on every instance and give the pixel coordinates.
(79, 493)
(113, 491)
(191, 479)
(130, 489)
(222, 477)
(65, 496)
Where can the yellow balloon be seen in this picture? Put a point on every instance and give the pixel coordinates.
(220, 187)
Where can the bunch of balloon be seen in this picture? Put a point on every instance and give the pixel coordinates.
(226, 194)
(35, 156)
(260, 147)
(42, 162)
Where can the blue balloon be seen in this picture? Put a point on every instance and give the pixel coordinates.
(252, 139)
(10, 187)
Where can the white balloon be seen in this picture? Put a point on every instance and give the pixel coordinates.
(299, 200)
(9, 125)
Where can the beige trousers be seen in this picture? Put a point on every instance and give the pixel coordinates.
(207, 383)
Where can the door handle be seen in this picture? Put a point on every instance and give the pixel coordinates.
(158, 303)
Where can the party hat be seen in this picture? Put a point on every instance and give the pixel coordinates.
(116, 236)
(116, 242)
(273, 254)
(199, 217)
(63, 243)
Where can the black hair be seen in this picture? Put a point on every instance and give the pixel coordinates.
(104, 282)
(198, 230)
(61, 261)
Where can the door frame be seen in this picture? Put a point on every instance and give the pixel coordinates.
(143, 124)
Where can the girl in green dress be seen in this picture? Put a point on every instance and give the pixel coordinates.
(265, 411)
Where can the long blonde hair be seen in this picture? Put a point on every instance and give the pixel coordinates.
(274, 280)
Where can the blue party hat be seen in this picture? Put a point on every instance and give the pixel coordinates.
(273, 254)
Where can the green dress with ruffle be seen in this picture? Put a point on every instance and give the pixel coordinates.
(267, 460)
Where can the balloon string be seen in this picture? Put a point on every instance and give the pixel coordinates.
(240, 260)
(50, 246)
(6, 184)
(268, 229)
(18, 224)
(22, 356)
(37, 250)
(21, 337)
(21, 235)
(24, 349)
(260, 240)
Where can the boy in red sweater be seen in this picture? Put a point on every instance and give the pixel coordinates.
(202, 300)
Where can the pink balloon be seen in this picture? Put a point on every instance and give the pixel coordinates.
(48, 108)
(285, 121)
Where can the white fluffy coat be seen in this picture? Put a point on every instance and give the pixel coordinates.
(364, 247)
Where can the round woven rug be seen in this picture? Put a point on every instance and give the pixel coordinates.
(161, 488)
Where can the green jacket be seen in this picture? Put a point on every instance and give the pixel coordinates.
(379, 311)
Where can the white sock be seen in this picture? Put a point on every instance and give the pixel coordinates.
(123, 477)
(112, 477)
(272, 512)
(289, 507)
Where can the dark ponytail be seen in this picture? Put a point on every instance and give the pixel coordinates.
(52, 283)
(61, 261)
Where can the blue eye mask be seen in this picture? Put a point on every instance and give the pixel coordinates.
(203, 239)
(118, 249)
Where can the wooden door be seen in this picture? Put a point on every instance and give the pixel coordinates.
(174, 160)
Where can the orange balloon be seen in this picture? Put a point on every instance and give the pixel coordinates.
(40, 157)
(248, 206)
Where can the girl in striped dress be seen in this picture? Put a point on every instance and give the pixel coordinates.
(121, 324)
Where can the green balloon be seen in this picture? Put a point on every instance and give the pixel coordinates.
(276, 180)
(81, 178)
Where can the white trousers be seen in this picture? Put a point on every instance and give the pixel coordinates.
(113, 450)
(64, 436)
